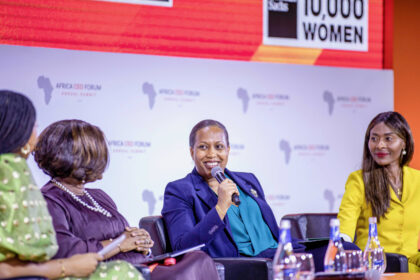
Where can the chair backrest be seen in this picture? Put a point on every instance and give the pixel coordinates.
(157, 230)
(310, 225)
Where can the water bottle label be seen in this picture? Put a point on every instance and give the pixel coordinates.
(334, 233)
(289, 273)
(378, 262)
(373, 232)
(285, 236)
(328, 267)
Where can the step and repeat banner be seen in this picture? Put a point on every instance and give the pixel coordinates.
(299, 128)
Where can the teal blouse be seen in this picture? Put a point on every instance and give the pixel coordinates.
(249, 230)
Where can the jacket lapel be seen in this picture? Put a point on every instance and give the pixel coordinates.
(209, 198)
(242, 183)
(253, 192)
(206, 195)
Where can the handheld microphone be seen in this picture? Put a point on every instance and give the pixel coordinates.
(218, 174)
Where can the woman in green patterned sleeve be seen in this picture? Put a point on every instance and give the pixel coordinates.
(27, 237)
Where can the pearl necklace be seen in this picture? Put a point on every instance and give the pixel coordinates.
(97, 207)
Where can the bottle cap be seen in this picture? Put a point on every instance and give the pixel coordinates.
(285, 224)
(372, 220)
(334, 222)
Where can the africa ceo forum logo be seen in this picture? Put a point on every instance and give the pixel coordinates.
(316, 150)
(169, 94)
(69, 89)
(349, 102)
(260, 99)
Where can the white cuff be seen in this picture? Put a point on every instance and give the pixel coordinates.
(345, 237)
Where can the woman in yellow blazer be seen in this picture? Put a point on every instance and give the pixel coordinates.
(386, 188)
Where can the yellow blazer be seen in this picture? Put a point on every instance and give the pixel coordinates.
(399, 231)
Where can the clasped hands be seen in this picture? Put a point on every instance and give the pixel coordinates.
(136, 239)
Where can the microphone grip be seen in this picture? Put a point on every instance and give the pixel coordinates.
(235, 199)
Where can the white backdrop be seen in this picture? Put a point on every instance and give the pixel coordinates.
(299, 128)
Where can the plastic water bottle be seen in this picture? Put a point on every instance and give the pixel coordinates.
(284, 263)
(374, 255)
(335, 257)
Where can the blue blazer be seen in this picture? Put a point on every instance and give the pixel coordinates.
(191, 218)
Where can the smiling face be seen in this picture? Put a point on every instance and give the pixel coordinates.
(210, 150)
(385, 145)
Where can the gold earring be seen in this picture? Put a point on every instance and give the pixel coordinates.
(25, 150)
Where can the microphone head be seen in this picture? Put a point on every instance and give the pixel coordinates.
(216, 170)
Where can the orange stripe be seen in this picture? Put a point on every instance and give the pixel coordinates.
(286, 54)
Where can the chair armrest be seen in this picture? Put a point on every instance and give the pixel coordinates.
(247, 268)
(144, 270)
(157, 230)
(396, 263)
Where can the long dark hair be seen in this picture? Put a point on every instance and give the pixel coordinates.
(375, 177)
(17, 120)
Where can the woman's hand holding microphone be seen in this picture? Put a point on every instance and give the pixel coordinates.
(224, 192)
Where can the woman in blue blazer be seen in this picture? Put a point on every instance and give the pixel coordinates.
(197, 209)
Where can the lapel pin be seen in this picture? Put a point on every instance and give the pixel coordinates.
(254, 192)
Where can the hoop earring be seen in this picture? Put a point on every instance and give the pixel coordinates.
(25, 150)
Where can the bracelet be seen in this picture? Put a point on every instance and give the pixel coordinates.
(63, 269)
(149, 253)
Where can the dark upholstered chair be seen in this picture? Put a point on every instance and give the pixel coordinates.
(234, 268)
(317, 225)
